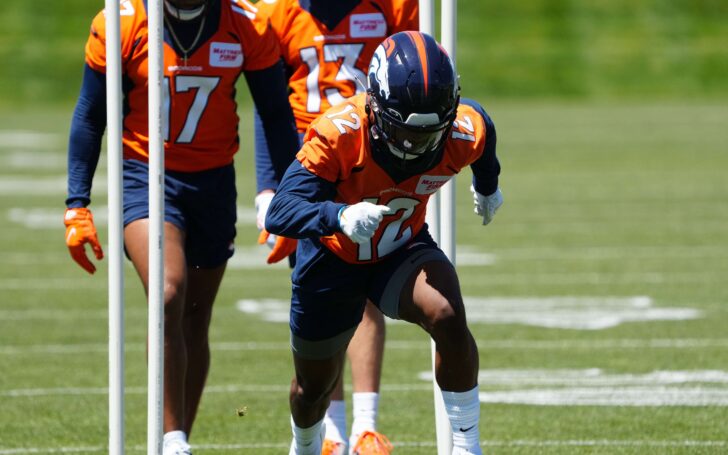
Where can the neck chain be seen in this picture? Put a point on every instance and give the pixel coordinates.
(184, 50)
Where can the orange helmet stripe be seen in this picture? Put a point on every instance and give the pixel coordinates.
(421, 47)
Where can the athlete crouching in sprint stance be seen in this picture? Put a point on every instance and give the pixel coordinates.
(356, 198)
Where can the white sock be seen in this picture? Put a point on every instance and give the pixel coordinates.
(463, 410)
(335, 421)
(174, 436)
(366, 406)
(307, 441)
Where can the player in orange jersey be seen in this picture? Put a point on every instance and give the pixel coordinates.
(208, 44)
(356, 199)
(327, 46)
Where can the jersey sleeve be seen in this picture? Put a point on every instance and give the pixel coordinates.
(405, 16)
(260, 44)
(334, 146)
(317, 156)
(96, 44)
(486, 167)
(133, 26)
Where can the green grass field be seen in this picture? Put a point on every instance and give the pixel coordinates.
(597, 298)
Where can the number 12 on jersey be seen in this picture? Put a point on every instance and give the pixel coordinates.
(393, 236)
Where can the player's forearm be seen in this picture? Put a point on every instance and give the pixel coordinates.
(87, 130)
(265, 178)
(486, 169)
(302, 207)
(268, 88)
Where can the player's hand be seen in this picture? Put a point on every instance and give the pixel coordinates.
(486, 206)
(80, 230)
(360, 221)
(281, 247)
(262, 202)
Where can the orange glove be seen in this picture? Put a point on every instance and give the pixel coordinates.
(80, 230)
(282, 248)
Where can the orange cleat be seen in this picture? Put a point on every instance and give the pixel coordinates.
(372, 443)
(332, 447)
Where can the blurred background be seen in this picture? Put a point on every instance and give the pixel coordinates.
(543, 49)
(608, 256)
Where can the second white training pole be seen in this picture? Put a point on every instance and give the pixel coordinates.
(448, 27)
(443, 433)
(155, 367)
(115, 228)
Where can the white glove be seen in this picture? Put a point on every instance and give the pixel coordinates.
(486, 206)
(262, 201)
(360, 221)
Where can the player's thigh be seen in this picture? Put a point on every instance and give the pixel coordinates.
(136, 245)
(431, 294)
(416, 280)
(327, 303)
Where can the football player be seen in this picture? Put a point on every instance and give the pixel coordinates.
(208, 44)
(327, 46)
(356, 198)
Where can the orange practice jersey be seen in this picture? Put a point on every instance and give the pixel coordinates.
(199, 110)
(337, 149)
(329, 66)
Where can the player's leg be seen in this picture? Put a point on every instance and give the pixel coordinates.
(328, 297)
(206, 204)
(419, 284)
(136, 241)
(335, 440)
(202, 287)
(311, 388)
(431, 298)
(366, 353)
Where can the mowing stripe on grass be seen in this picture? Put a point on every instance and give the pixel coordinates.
(548, 279)
(230, 388)
(579, 344)
(484, 443)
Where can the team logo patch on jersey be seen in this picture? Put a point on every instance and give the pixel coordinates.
(367, 25)
(226, 55)
(428, 184)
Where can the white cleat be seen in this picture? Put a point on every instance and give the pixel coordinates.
(176, 447)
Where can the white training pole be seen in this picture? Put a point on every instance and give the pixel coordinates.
(115, 248)
(427, 25)
(446, 213)
(442, 423)
(448, 24)
(155, 377)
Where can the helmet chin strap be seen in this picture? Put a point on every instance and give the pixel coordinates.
(184, 14)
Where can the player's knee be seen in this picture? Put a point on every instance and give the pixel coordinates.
(173, 300)
(310, 395)
(446, 319)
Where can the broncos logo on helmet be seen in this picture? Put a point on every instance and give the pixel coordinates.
(413, 96)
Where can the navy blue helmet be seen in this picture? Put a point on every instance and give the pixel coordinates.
(413, 95)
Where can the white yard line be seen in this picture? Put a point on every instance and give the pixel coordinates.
(27, 139)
